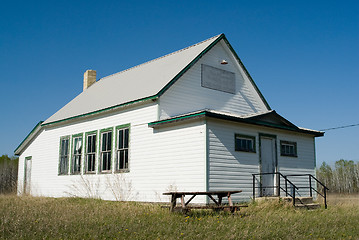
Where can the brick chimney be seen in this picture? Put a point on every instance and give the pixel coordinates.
(89, 78)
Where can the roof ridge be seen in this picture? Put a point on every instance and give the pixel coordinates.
(156, 59)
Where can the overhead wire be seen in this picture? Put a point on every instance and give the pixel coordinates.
(334, 128)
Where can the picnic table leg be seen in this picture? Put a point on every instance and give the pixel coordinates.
(219, 199)
(230, 200)
(183, 202)
(232, 208)
(173, 202)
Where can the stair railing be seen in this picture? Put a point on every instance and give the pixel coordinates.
(278, 186)
(311, 188)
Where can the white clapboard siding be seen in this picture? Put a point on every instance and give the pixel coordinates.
(160, 160)
(176, 158)
(188, 95)
(233, 170)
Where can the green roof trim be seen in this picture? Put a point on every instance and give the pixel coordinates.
(103, 110)
(28, 135)
(235, 119)
(175, 119)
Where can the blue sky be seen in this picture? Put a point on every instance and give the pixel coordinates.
(303, 55)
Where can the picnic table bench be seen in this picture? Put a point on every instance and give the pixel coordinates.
(217, 204)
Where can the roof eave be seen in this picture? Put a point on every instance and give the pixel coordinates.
(153, 98)
(206, 113)
(28, 138)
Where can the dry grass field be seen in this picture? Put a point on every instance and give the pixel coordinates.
(75, 218)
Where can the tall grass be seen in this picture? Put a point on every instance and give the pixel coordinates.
(75, 218)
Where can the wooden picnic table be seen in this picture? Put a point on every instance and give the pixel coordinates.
(218, 204)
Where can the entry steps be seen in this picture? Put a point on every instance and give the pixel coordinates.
(300, 202)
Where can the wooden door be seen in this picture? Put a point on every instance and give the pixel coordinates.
(268, 165)
(27, 175)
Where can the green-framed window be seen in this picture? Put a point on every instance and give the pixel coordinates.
(64, 155)
(76, 159)
(288, 149)
(122, 147)
(244, 143)
(90, 152)
(106, 150)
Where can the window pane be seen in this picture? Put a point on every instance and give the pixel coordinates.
(65, 146)
(79, 149)
(104, 141)
(93, 143)
(126, 138)
(121, 159)
(109, 138)
(89, 144)
(108, 161)
(291, 150)
(126, 158)
(120, 139)
(104, 161)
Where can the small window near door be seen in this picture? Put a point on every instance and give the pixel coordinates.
(288, 149)
(244, 143)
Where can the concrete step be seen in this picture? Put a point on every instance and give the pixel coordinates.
(304, 200)
(308, 206)
(300, 202)
(261, 199)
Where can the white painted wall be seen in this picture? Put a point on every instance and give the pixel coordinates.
(187, 94)
(160, 160)
(233, 170)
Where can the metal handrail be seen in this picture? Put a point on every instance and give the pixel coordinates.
(286, 181)
(324, 195)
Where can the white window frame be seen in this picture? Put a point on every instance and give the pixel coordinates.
(288, 149)
(91, 154)
(76, 157)
(106, 152)
(64, 157)
(248, 140)
(122, 148)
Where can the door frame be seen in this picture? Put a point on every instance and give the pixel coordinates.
(27, 184)
(274, 137)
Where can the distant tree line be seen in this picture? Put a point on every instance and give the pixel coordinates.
(8, 174)
(342, 178)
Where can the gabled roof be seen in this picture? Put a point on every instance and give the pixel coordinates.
(146, 81)
(140, 83)
(266, 119)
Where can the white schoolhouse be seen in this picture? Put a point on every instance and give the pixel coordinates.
(193, 120)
